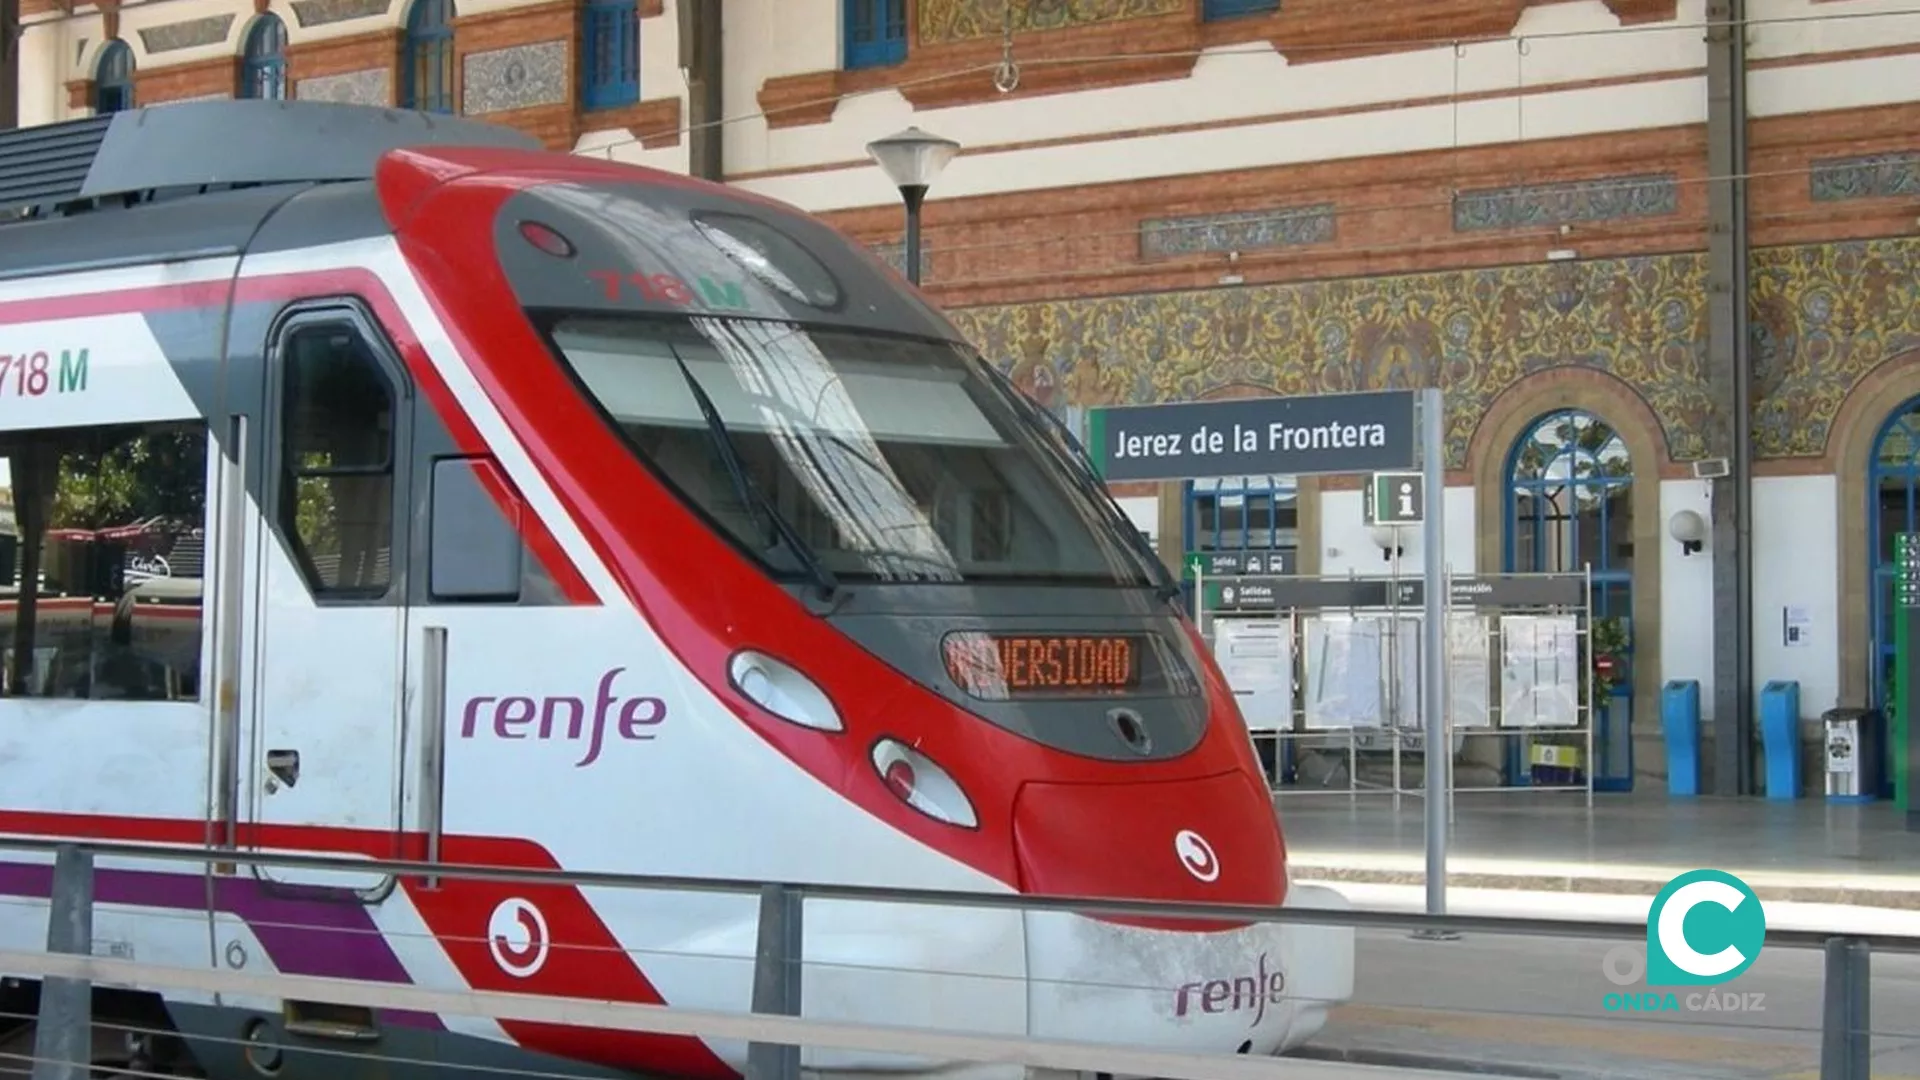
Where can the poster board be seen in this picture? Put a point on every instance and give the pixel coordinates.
(1256, 656)
(1408, 692)
(1343, 672)
(1469, 670)
(1540, 671)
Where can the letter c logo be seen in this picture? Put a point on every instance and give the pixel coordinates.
(1672, 928)
(517, 937)
(1733, 919)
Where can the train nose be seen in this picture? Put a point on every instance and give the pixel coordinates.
(1166, 983)
(1213, 840)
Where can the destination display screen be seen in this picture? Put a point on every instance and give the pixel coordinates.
(999, 666)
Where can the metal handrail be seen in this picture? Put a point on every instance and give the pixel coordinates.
(756, 1028)
(1199, 911)
(776, 1028)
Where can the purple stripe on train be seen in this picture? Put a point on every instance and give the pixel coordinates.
(301, 935)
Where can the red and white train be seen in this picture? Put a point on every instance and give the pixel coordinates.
(567, 514)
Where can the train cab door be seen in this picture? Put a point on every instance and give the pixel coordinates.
(328, 632)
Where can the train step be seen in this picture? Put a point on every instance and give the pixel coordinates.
(114, 1056)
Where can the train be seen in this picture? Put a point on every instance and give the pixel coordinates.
(561, 514)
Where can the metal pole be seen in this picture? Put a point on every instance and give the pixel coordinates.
(1846, 1031)
(776, 981)
(1729, 375)
(1433, 669)
(9, 64)
(914, 195)
(63, 1033)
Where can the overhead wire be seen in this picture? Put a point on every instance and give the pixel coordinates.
(1262, 47)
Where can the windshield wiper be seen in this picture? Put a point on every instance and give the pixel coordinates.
(823, 578)
(1165, 587)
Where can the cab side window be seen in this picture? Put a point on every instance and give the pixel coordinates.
(337, 460)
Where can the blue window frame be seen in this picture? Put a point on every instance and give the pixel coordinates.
(113, 79)
(426, 59)
(1228, 9)
(263, 60)
(1240, 513)
(1893, 507)
(876, 32)
(1569, 510)
(610, 48)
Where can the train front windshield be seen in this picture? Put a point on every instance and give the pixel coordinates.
(849, 455)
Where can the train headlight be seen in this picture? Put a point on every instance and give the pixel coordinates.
(780, 689)
(914, 778)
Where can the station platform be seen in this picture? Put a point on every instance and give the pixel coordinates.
(1806, 851)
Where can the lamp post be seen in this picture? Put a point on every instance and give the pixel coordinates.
(912, 159)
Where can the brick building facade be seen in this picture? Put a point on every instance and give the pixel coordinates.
(1176, 199)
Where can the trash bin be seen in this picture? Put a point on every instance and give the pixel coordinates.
(1853, 755)
(1780, 737)
(1680, 729)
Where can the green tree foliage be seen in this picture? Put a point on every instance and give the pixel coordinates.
(131, 476)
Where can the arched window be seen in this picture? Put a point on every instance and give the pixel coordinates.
(426, 60)
(263, 60)
(113, 79)
(1893, 502)
(1570, 506)
(1570, 510)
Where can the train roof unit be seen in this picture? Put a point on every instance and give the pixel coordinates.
(142, 155)
(201, 177)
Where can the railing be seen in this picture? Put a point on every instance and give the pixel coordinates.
(775, 1029)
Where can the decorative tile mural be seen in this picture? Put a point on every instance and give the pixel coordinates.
(188, 34)
(1248, 230)
(1824, 316)
(959, 20)
(516, 77)
(1610, 199)
(1873, 176)
(323, 12)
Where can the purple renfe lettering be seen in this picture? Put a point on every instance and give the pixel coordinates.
(564, 716)
(1234, 995)
(511, 712)
(472, 716)
(576, 709)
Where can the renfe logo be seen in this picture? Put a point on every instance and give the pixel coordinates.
(636, 717)
(1255, 991)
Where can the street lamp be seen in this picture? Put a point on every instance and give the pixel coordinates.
(912, 159)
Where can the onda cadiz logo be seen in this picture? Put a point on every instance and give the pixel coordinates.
(517, 937)
(1705, 928)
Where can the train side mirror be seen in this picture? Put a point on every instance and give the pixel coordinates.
(474, 547)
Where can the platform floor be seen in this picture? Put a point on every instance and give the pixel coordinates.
(1806, 851)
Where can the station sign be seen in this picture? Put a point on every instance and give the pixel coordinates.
(1491, 591)
(1906, 562)
(1278, 562)
(1280, 436)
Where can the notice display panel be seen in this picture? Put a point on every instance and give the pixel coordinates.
(1256, 656)
(1469, 670)
(1344, 668)
(1540, 671)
